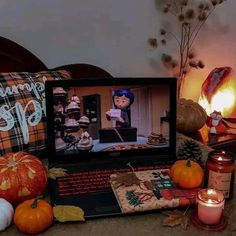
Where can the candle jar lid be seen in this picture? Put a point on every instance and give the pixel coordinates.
(211, 196)
(221, 157)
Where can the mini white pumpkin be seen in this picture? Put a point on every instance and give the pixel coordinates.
(6, 214)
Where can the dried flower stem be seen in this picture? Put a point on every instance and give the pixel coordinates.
(188, 37)
(190, 26)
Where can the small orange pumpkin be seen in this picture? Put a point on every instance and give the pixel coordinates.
(33, 216)
(186, 174)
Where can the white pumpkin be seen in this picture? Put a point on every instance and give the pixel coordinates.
(6, 214)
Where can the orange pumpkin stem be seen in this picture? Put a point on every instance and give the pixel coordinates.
(188, 163)
(35, 202)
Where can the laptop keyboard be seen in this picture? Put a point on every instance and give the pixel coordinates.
(92, 181)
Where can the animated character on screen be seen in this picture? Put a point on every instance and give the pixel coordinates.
(122, 99)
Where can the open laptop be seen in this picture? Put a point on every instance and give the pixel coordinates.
(98, 126)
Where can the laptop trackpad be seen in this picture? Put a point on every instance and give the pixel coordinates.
(107, 208)
(102, 204)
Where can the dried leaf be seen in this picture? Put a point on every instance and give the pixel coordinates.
(65, 213)
(54, 172)
(126, 179)
(175, 218)
(148, 185)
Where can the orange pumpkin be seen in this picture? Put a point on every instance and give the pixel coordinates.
(22, 176)
(33, 216)
(186, 174)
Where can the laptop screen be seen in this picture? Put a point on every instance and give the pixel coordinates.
(105, 118)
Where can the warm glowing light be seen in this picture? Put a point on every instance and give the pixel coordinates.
(211, 191)
(223, 100)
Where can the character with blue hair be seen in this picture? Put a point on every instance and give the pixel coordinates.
(122, 100)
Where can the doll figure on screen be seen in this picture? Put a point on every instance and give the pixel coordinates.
(122, 100)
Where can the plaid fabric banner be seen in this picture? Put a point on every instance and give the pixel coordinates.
(23, 110)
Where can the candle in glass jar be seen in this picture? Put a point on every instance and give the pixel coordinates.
(210, 206)
(219, 172)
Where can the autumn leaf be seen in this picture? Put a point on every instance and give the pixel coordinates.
(65, 213)
(175, 218)
(148, 185)
(54, 172)
(126, 179)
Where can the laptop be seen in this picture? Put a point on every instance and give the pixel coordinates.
(100, 127)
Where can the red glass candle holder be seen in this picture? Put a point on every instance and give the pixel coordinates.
(219, 172)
